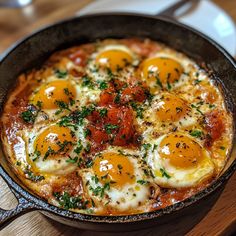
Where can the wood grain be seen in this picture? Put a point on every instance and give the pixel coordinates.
(220, 220)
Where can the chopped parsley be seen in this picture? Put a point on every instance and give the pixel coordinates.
(142, 182)
(197, 108)
(109, 72)
(62, 105)
(100, 191)
(87, 148)
(49, 152)
(79, 148)
(29, 115)
(146, 146)
(72, 160)
(70, 202)
(168, 85)
(222, 147)
(39, 104)
(76, 117)
(63, 145)
(164, 173)
(212, 106)
(117, 99)
(66, 91)
(66, 121)
(89, 163)
(61, 74)
(30, 175)
(103, 112)
(196, 133)
(95, 179)
(110, 127)
(158, 82)
(36, 155)
(18, 163)
(87, 82)
(102, 85)
(197, 81)
(87, 132)
(139, 110)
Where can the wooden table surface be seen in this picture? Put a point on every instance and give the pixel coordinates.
(14, 24)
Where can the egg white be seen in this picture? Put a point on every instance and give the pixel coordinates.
(151, 127)
(57, 165)
(128, 196)
(99, 74)
(178, 177)
(84, 96)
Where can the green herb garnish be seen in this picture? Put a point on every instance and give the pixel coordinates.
(139, 110)
(142, 182)
(61, 74)
(102, 85)
(103, 112)
(110, 127)
(164, 173)
(72, 160)
(70, 202)
(196, 133)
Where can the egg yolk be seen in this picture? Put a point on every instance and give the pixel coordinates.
(160, 70)
(114, 167)
(54, 141)
(114, 59)
(171, 108)
(52, 92)
(181, 151)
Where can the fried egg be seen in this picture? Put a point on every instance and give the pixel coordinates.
(56, 98)
(166, 70)
(111, 59)
(118, 180)
(178, 161)
(167, 111)
(51, 150)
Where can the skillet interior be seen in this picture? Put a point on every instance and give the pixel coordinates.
(36, 48)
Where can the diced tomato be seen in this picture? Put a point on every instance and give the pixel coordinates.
(124, 136)
(76, 73)
(113, 115)
(143, 48)
(94, 117)
(118, 85)
(214, 125)
(98, 135)
(121, 136)
(107, 97)
(136, 93)
(124, 118)
(79, 57)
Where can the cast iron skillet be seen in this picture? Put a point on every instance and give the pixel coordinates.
(35, 49)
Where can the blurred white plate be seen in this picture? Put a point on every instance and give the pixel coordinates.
(207, 17)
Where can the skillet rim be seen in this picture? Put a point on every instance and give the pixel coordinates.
(45, 206)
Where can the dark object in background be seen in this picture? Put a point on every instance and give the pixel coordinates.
(14, 3)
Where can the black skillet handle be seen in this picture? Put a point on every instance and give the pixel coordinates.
(24, 206)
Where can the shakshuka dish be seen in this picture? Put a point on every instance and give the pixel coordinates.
(116, 127)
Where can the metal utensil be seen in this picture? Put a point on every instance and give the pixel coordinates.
(180, 8)
(14, 3)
